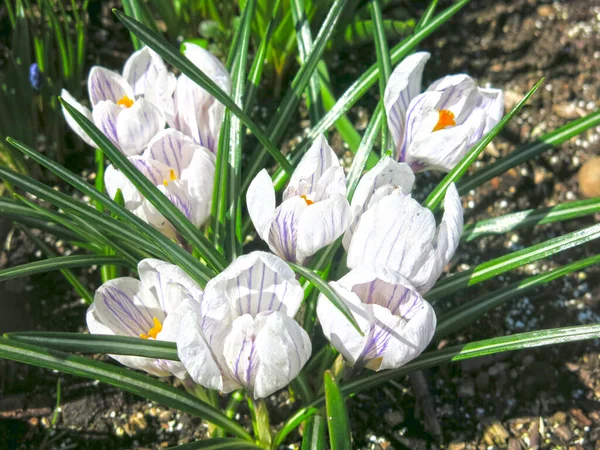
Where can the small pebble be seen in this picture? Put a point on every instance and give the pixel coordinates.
(589, 178)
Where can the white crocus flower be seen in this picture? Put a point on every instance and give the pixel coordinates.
(243, 333)
(400, 234)
(197, 113)
(314, 211)
(181, 169)
(130, 108)
(386, 177)
(396, 322)
(435, 129)
(146, 308)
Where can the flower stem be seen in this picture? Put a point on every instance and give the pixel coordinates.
(260, 422)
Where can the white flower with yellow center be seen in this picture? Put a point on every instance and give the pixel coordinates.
(435, 129)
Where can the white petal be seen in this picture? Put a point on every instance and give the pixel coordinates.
(105, 116)
(492, 101)
(448, 235)
(200, 176)
(106, 85)
(125, 307)
(403, 85)
(154, 170)
(396, 342)
(459, 94)
(283, 231)
(283, 348)
(338, 330)
(177, 193)
(311, 167)
(143, 68)
(157, 275)
(194, 351)
(115, 180)
(209, 64)
(387, 172)
(322, 223)
(255, 283)
(331, 183)
(260, 199)
(397, 233)
(71, 122)
(137, 125)
(171, 147)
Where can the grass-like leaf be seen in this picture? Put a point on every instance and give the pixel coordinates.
(159, 200)
(256, 70)
(467, 313)
(513, 260)
(58, 263)
(530, 151)
(139, 11)
(437, 195)
(476, 349)
(170, 54)
(132, 229)
(326, 290)
(531, 217)
(217, 444)
(97, 343)
(338, 423)
(313, 437)
(363, 83)
(136, 383)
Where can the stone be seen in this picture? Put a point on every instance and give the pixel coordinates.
(589, 178)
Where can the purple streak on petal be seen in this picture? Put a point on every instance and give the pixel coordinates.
(273, 294)
(123, 309)
(281, 302)
(237, 363)
(249, 297)
(262, 284)
(250, 364)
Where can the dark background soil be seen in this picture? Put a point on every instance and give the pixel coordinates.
(546, 398)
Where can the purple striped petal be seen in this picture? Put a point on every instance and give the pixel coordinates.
(106, 85)
(283, 232)
(172, 148)
(137, 125)
(105, 116)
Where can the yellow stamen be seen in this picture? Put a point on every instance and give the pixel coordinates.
(125, 101)
(165, 182)
(172, 175)
(153, 332)
(307, 200)
(446, 120)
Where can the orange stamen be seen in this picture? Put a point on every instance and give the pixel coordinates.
(172, 175)
(446, 120)
(307, 200)
(125, 101)
(153, 332)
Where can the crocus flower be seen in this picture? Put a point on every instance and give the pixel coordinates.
(400, 234)
(130, 108)
(386, 177)
(396, 322)
(435, 129)
(242, 334)
(144, 308)
(197, 113)
(180, 168)
(314, 211)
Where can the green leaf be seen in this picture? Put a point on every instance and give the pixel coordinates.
(476, 349)
(149, 191)
(531, 217)
(427, 15)
(217, 444)
(530, 151)
(136, 383)
(328, 291)
(185, 66)
(314, 434)
(69, 275)
(513, 260)
(132, 230)
(338, 422)
(292, 97)
(256, 70)
(468, 312)
(97, 343)
(58, 263)
(364, 150)
(139, 11)
(383, 62)
(362, 85)
(437, 195)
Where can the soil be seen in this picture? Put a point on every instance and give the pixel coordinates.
(546, 398)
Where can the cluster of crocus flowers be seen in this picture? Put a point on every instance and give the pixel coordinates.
(239, 333)
(396, 254)
(132, 109)
(434, 129)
